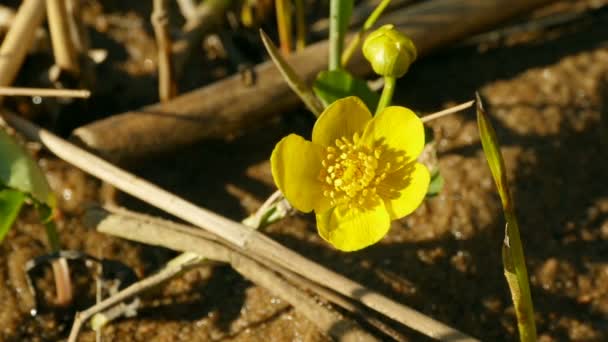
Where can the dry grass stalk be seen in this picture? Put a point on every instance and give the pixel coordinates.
(242, 236)
(108, 219)
(167, 88)
(19, 39)
(228, 106)
(44, 92)
(142, 228)
(61, 38)
(208, 15)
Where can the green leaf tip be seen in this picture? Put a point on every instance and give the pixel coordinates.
(491, 148)
(11, 202)
(19, 171)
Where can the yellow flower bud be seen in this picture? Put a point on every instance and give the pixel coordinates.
(389, 51)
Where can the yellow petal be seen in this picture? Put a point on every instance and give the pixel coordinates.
(399, 129)
(343, 118)
(353, 229)
(295, 164)
(404, 190)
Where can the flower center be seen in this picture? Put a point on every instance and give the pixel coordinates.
(351, 172)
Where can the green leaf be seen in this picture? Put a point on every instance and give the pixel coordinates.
(11, 202)
(436, 184)
(514, 262)
(294, 81)
(490, 145)
(333, 85)
(19, 171)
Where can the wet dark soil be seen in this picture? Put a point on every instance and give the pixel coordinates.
(546, 92)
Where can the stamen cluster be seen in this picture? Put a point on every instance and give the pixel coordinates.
(352, 171)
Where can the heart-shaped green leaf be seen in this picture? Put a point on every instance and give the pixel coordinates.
(333, 85)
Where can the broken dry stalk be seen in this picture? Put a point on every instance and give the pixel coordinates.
(447, 111)
(300, 25)
(19, 39)
(240, 235)
(61, 38)
(283, 13)
(208, 16)
(142, 228)
(129, 292)
(44, 92)
(167, 88)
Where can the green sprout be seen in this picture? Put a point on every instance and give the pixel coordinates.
(21, 182)
(512, 250)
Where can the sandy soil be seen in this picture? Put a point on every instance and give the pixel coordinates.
(546, 92)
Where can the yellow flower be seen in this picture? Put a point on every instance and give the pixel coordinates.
(357, 174)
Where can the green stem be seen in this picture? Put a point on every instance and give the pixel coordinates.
(523, 301)
(52, 236)
(336, 39)
(371, 20)
(387, 93)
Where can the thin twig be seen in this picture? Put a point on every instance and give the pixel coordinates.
(142, 228)
(447, 111)
(19, 39)
(235, 233)
(44, 92)
(131, 291)
(167, 88)
(187, 8)
(63, 47)
(283, 14)
(209, 14)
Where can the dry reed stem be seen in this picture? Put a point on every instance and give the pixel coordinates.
(447, 111)
(208, 16)
(130, 221)
(167, 88)
(236, 233)
(187, 8)
(142, 228)
(129, 292)
(44, 92)
(61, 38)
(19, 39)
(228, 107)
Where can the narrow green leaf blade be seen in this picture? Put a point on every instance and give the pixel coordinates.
(334, 85)
(11, 202)
(491, 148)
(294, 81)
(436, 184)
(18, 170)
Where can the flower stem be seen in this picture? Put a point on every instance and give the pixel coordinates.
(371, 20)
(339, 16)
(387, 93)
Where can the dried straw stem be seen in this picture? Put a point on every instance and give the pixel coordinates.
(44, 92)
(61, 38)
(228, 106)
(19, 39)
(167, 88)
(142, 228)
(235, 233)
